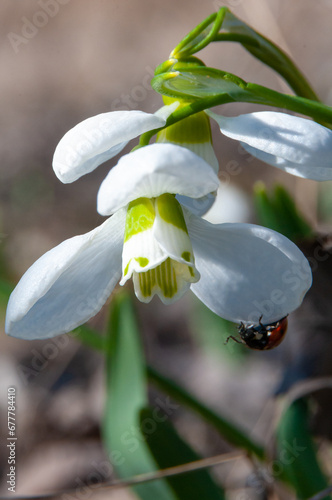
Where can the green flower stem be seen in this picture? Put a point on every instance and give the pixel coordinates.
(282, 64)
(225, 428)
(200, 36)
(191, 109)
(316, 110)
(253, 93)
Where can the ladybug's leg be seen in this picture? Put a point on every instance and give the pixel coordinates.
(233, 338)
(260, 320)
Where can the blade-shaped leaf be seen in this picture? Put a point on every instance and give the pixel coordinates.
(279, 212)
(169, 450)
(230, 432)
(89, 337)
(297, 452)
(5, 290)
(126, 396)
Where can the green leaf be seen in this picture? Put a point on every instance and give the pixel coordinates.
(279, 212)
(89, 337)
(126, 396)
(233, 29)
(230, 432)
(169, 450)
(297, 452)
(6, 289)
(200, 36)
(212, 333)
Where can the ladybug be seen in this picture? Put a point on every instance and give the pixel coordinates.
(262, 337)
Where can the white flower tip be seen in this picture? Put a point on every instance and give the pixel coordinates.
(63, 173)
(100, 138)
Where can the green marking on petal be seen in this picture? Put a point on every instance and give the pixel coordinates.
(140, 217)
(143, 261)
(170, 211)
(191, 271)
(125, 272)
(163, 277)
(186, 256)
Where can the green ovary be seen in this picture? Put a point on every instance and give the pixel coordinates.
(194, 129)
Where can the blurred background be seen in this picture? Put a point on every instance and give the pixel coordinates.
(63, 61)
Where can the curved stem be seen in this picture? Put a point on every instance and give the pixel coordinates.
(191, 109)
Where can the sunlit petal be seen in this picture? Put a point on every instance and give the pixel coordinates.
(297, 145)
(69, 284)
(154, 170)
(99, 138)
(247, 271)
(313, 171)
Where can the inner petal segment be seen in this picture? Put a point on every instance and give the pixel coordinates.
(157, 251)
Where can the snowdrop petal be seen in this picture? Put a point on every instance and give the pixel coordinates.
(247, 271)
(154, 170)
(198, 206)
(287, 139)
(231, 205)
(99, 138)
(314, 172)
(69, 284)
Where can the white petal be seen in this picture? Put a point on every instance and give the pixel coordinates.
(203, 149)
(152, 271)
(312, 171)
(98, 139)
(154, 170)
(197, 206)
(287, 139)
(231, 205)
(247, 271)
(141, 253)
(69, 284)
(169, 281)
(170, 231)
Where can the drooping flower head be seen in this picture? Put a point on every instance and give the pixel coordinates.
(240, 271)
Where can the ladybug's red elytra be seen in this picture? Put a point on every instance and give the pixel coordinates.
(262, 337)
